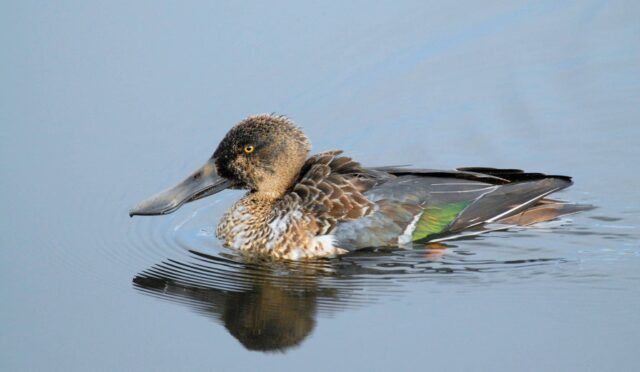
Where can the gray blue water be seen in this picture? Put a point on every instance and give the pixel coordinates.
(104, 104)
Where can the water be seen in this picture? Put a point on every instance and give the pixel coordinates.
(103, 105)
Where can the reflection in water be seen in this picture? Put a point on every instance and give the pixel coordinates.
(265, 317)
(272, 306)
(267, 306)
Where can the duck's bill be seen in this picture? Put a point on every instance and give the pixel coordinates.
(202, 183)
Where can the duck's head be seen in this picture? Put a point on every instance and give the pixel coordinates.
(263, 153)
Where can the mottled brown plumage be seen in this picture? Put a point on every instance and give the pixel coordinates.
(327, 204)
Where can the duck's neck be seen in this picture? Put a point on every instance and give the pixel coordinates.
(274, 182)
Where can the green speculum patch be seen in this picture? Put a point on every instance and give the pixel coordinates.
(436, 218)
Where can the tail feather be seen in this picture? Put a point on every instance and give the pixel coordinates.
(506, 201)
(545, 210)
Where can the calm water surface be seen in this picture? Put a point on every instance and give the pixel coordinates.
(103, 105)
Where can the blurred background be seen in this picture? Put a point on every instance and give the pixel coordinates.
(104, 104)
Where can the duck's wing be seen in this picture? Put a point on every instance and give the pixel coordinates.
(330, 189)
(420, 205)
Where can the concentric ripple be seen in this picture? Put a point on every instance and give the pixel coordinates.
(271, 305)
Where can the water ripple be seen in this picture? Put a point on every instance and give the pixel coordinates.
(272, 305)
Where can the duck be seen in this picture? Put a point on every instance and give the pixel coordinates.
(300, 207)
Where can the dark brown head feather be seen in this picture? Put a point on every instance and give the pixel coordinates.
(279, 151)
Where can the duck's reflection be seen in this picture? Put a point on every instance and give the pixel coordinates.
(270, 318)
(272, 306)
(266, 306)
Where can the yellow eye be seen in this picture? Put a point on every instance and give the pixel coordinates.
(249, 149)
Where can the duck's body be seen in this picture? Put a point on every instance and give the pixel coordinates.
(328, 204)
(337, 206)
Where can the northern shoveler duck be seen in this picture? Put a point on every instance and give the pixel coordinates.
(328, 204)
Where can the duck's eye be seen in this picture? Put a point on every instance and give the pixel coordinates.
(248, 149)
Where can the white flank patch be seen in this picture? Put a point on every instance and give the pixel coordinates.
(279, 227)
(407, 235)
(324, 241)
